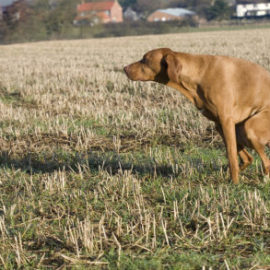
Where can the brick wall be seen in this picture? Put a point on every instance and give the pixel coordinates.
(117, 13)
(160, 16)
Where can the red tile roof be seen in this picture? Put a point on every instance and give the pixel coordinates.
(95, 6)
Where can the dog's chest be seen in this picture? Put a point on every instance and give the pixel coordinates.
(208, 114)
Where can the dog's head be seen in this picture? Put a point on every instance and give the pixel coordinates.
(159, 65)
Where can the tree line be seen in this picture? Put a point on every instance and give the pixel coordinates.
(53, 19)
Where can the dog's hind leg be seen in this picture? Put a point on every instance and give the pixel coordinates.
(257, 130)
(260, 150)
(245, 157)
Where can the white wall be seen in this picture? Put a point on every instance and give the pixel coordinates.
(245, 10)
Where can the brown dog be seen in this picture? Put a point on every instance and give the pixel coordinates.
(232, 92)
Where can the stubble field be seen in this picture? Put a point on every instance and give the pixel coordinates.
(98, 172)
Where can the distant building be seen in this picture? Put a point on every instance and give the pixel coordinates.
(247, 10)
(1, 13)
(170, 14)
(99, 12)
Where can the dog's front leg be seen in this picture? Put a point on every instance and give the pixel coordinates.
(228, 128)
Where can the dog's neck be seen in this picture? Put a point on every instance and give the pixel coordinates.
(190, 78)
(189, 91)
(193, 67)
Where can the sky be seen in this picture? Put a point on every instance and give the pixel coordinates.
(6, 2)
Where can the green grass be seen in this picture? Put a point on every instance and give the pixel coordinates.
(98, 172)
(181, 220)
(232, 27)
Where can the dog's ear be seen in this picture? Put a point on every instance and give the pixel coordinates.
(174, 67)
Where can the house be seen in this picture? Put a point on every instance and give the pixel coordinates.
(170, 14)
(246, 9)
(99, 12)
